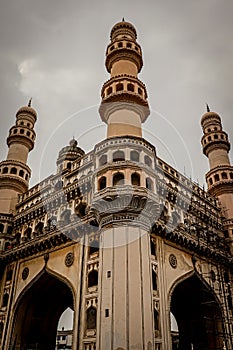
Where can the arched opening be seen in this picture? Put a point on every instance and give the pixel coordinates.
(1, 228)
(135, 179)
(216, 177)
(130, 87)
(118, 156)
(13, 171)
(38, 312)
(197, 314)
(5, 170)
(5, 299)
(91, 317)
(149, 184)
(64, 337)
(118, 179)
(39, 228)
(119, 87)
(152, 248)
(134, 156)
(154, 280)
(109, 90)
(148, 161)
(224, 176)
(92, 278)
(102, 183)
(103, 159)
(21, 173)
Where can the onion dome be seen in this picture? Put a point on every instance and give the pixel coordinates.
(27, 110)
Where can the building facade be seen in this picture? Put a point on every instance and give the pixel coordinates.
(117, 234)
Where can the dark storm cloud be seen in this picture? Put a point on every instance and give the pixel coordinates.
(54, 51)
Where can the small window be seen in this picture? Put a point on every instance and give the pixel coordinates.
(224, 176)
(21, 123)
(135, 179)
(26, 177)
(215, 136)
(1, 228)
(21, 131)
(222, 137)
(140, 91)
(130, 87)
(13, 171)
(5, 170)
(148, 161)
(154, 280)
(68, 165)
(112, 48)
(106, 312)
(210, 181)
(216, 177)
(119, 87)
(92, 278)
(156, 320)
(149, 184)
(120, 45)
(209, 130)
(152, 248)
(129, 45)
(103, 160)
(108, 274)
(118, 156)
(28, 125)
(15, 131)
(5, 299)
(28, 133)
(102, 183)
(231, 175)
(118, 179)
(134, 156)
(209, 138)
(21, 173)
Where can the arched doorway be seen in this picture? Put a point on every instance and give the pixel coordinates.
(37, 313)
(198, 315)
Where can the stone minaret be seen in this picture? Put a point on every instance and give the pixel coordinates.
(220, 176)
(124, 103)
(14, 171)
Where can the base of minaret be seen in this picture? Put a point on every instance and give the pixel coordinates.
(125, 302)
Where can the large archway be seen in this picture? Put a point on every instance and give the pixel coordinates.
(198, 315)
(37, 313)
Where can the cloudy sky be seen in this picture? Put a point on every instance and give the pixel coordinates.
(54, 52)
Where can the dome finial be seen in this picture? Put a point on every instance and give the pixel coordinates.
(30, 102)
(207, 107)
(123, 19)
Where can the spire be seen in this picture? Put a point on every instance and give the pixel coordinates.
(123, 19)
(207, 107)
(30, 102)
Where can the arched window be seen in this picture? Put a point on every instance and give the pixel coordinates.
(148, 161)
(1, 228)
(134, 156)
(130, 87)
(21, 131)
(109, 90)
(13, 171)
(92, 278)
(215, 136)
(21, 173)
(5, 299)
(149, 184)
(103, 159)
(154, 280)
(15, 131)
(1, 328)
(28, 133)
(231, 175)
(129, 45)
(91, 318)
(135, 179)
(27, 233)
(26, 177)
(224, 176)
(118, 179)
(118, 156)
(216, 177)
(102, 183)
(68, 165)
(209, 138)
(119, 87)
(210, 181)
(5, 170)
(120, 45)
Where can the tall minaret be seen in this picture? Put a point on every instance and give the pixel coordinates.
(14, 171)
(124, 103)
(220, 176)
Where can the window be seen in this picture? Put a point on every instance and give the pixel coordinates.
(130, 87)
(149, 184)
(68, 165)
(5, 299)
(152, 248)
(106, 312)
(92, 278)
(140, 91)
(118, 156)
(109, 90)
(118, 179)
(13, 171)
(102, 183)
(135, 179)
(120, 44)
(210, 181)
(119, 87)
(209, 138)
(224, 176)
(15, 131)
(5, 170)
(216, 177)
(21, 173)
(21, 131)
(91, 318)
(28, 133)
(1, 228)
(134, 156)
(103, 159)
(148, 161)
(129, 45)
(215, 136)
(156, 320)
